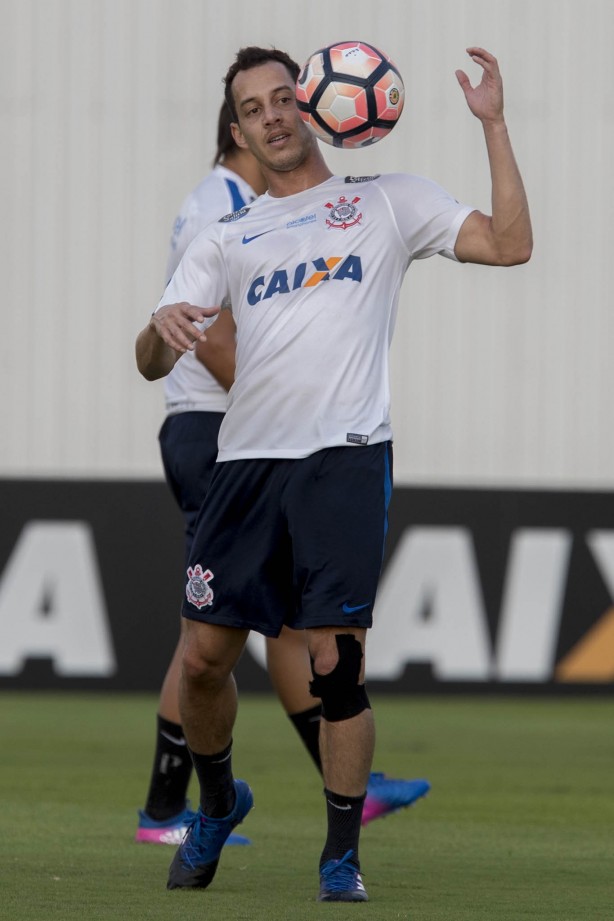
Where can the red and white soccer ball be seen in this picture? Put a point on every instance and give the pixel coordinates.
(350, 93)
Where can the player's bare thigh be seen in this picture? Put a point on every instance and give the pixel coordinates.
(211, 648)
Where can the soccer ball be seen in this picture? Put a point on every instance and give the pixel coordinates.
(350, 93)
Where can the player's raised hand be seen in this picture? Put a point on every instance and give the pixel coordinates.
(486, 99)
(176, 324)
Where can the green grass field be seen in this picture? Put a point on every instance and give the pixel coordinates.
(519, 823)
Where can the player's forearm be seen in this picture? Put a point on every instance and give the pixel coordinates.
(154, 358)
(510, 224)
(219, 360)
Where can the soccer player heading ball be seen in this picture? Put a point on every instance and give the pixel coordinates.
(293, 524)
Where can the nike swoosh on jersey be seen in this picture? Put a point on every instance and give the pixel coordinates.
(255, 237)
(350, 609)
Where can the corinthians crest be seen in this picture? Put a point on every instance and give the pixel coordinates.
(344, 214)
(197, 591)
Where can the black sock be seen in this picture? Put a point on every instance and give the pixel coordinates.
(217, 792)
(344, 816)
(307, 724)
(172, 769)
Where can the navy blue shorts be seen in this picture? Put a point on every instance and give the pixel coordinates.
(296, 542)
(188, 444)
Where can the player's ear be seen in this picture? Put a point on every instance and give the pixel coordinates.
(237, 135)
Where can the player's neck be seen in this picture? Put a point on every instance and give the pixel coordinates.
(306, 176)
(244, 164)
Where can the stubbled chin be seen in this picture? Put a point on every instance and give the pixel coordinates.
(285, 159)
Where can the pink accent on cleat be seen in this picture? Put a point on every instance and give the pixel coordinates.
(173, 835)
(372, 809)
(386, 795)
(173, 830)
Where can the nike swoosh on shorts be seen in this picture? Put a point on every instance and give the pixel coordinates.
(350, 609)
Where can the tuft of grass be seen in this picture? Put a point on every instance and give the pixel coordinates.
(518, 824)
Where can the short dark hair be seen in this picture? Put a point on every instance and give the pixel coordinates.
(253, 56)
(225, 140)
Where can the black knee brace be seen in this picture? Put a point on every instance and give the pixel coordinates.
(341, 695)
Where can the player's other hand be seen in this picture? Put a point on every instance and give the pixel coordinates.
(180, 325)
(486, 99)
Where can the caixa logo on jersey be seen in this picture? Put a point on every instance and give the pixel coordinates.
(305, 275)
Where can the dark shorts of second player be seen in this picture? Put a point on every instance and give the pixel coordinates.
(295, 542)
(188, 445)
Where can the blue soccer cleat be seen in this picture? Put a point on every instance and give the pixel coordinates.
(172, 831)
(168, 831)
(386, 795)
(198, 855)
(340, 881)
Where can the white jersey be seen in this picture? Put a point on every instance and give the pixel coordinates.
(190, 386)
(314, 282)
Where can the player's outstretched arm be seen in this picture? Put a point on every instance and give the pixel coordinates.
(505, 237)
(170, 332)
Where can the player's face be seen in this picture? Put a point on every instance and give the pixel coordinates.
(269, 121)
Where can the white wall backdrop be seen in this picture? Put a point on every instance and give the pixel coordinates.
(108, 110)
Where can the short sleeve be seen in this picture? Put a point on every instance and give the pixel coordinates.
(427, 217)
(200, 278)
